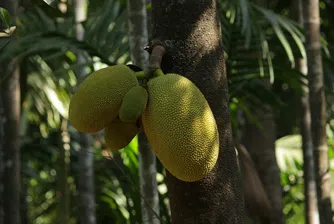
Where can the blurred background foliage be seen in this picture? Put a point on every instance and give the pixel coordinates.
(259, 44)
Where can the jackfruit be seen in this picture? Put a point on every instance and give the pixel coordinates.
(181, 127)
(133, 104)
(119, 134)
(98, 98)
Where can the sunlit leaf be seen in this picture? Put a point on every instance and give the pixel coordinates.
(5, 18)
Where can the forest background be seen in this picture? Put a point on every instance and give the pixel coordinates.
(62, 176)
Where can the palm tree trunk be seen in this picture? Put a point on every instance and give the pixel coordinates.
(86, 157)
(147, 160)
(318, 107)
(310, 190)
(9, 130)
(192, 31)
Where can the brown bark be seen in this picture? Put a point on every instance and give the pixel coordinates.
(191, 29)
(9, 123)
(257, 204)
(10, 96)
(310, 190)
(318, 107)
(138, 39)
(260, 144)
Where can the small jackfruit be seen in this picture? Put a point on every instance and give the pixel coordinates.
(133, 104)
(181, 127)
(119, 134)
(98, 98)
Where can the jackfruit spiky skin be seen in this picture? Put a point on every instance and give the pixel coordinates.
(98, 98)
(133, 104)
(181, 127)
(119, 134)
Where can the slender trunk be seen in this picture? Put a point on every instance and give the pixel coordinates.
(148, 182)
(63, 159)
(24, 204)
(261, 147)
(2, 137)
(310, 190)
(257, 204)
(87, 202)
(10, 140)
(192, 30)
(147, 160)
(256, 200)
(63, 213)
(86, 157)
(318, 107)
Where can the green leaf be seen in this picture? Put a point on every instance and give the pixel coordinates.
(246, 20)
(5, 17)
(289, 27)
(273, 19)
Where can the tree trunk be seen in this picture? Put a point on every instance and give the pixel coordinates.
(261, 146)
(87, 202)
(318, 107)
(63, 194)
(9, 126)
(2, 137)
(86, 157)
(147, 160)
(310, 190)
(192, 31)
(256, 200)
(24, 204)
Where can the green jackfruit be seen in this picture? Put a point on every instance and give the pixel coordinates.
(98, 98)
(119, 134)
(133, 104)
(181, 127)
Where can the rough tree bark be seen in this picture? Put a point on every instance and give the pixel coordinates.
(310, 190)
(147, 161)
(86, 156)
(191, 29)
(9, 124)
(318, 107)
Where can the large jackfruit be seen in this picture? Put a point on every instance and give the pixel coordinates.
(133, 104)
(119, 134)
(181, 128)
(98, 98)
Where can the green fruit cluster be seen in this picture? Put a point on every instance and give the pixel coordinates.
(171, 110)
(99, 99)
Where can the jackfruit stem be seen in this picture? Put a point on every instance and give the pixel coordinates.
(140, 75)
(158, 72)
(156, 57)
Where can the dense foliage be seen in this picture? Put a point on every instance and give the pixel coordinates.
(259, 44)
